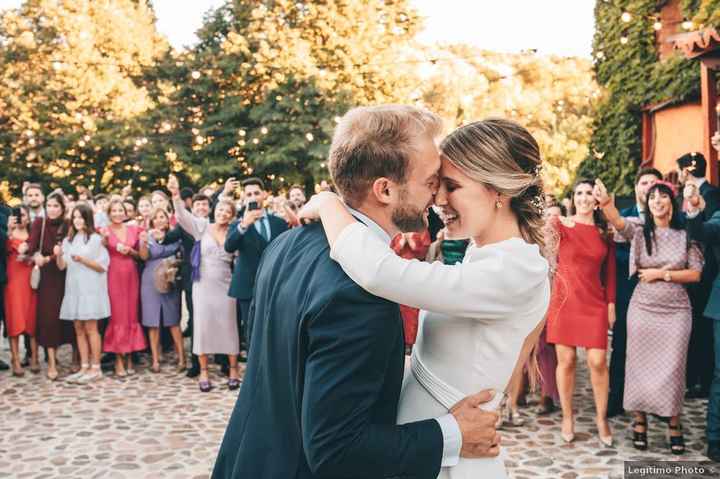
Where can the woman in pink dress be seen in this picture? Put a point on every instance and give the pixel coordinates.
(125, 244)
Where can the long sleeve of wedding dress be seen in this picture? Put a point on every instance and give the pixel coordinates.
(491, 283)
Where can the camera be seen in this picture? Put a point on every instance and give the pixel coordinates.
(253, 205)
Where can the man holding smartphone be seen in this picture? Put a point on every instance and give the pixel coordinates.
(249, 236)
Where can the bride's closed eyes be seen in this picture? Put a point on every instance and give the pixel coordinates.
(450, 184)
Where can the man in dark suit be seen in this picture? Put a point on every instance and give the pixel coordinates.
(325, 364)
(249, 236)
(692, 167)
(5, 213)
(708, 232)
(645, 178)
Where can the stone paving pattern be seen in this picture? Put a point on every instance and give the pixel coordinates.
(161, 426)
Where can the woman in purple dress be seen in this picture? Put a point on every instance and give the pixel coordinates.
(160, 309)
(659, 317)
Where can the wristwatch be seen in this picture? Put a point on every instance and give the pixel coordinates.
(668, 276)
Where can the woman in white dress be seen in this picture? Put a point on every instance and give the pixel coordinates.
(477, 315)
(86, 297)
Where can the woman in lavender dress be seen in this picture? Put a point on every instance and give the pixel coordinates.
(160, 309)
(659, 318)
(215, 327)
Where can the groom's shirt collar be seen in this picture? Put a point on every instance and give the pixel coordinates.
(374, 227)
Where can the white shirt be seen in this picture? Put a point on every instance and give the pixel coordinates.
(452, 436)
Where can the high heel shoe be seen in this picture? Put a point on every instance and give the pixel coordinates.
(568, 437)
(677, 443)
(52, 375)
(640, 441)
(606, 441)
(204, 384)
(233, 383)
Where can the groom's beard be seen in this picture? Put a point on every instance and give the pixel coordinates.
(409, 219)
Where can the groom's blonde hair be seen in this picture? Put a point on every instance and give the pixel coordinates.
(376, 142)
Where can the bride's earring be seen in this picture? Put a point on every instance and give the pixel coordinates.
(498, 204)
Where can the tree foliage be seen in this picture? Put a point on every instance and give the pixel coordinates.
(71, 95)
(92, 94)
(633, 76)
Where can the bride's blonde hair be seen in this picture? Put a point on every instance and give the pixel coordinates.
(503, 156)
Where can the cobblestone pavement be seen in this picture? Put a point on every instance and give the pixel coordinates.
(160, 426)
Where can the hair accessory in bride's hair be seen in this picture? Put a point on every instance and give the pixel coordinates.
(538, 202)
(538, 170)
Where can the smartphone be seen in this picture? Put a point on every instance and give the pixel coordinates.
(253, 205)
(17, 213)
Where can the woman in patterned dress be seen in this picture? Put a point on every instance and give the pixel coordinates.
(659, 317)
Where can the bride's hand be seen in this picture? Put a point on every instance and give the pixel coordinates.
(311, 211)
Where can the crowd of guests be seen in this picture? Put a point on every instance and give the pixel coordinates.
(107, 275)
(643, 276)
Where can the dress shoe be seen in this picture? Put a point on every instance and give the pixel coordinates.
(4, 366)
(713, 451)
(696, 392)
(193, 372)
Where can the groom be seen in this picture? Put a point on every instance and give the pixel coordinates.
(325, 363)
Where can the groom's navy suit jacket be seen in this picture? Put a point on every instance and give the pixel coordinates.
(325, 365)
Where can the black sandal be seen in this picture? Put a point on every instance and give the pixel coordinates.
(640, 441)
(677, 443)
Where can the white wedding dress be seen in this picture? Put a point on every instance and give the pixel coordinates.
(475, 317)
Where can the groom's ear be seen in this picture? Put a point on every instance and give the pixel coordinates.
(383, 190)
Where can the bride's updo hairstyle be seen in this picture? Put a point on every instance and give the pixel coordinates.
(504, 157)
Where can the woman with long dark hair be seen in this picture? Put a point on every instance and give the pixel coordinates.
(659, 317)
(582, 308)
(86, 300)
(51, 332)
(20, 299)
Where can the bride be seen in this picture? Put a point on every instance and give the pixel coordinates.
(478, 316)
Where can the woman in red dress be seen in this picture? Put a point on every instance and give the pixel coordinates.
(19, 296)
(125, 243)
(51, 331)
(582, 308)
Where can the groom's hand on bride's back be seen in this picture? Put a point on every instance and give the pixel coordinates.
(478, 427)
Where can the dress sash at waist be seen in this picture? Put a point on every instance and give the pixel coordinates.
(443, 393)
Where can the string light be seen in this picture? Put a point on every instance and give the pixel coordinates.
(624, 40)
(626, 17)
(687, 24)
(195, 74)
(657, 25)
(309, 136)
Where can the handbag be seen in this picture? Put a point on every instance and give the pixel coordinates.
(167, 275)
(35, 273)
